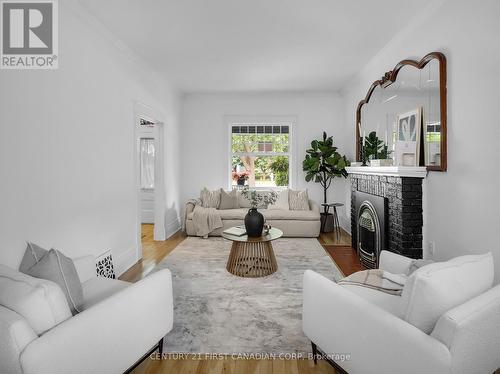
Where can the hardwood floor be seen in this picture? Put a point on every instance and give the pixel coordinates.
(153, 252)
(195, 365)
(341, 252)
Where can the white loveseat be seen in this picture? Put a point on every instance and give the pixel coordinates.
(364, 324)
(120, 323)
(293, 223)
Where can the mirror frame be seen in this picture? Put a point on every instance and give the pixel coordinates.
(389, 78)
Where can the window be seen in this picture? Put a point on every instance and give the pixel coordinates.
(147, 163)
(262, 152)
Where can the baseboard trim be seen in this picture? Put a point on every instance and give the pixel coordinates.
(172, 227)
(125, 261)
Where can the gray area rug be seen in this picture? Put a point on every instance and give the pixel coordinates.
(217, 312)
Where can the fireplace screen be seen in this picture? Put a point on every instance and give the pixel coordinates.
(369, 240)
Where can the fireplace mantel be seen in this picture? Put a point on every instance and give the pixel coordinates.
(390, 171)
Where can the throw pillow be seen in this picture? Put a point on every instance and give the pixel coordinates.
(298, 200)
(281, 203)
(32, 255)
(210, 199)
(40, 301)
(58, 268)
(228, 200)
(436, 288)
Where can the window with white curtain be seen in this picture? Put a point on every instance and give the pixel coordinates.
(147, 163)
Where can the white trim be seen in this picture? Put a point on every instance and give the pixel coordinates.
(264, 120)
(392, 171)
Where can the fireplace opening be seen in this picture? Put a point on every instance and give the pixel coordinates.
(369, 235)
(371, 211)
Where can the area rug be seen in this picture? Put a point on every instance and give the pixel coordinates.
(217, 312)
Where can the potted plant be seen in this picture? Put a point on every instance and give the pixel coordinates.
(322, 164)
(254, 220)
(376, 150)
(240, 177)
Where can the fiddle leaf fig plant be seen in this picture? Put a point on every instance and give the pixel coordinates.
(375, 148)
(323, 163)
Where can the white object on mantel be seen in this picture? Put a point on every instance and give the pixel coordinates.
(391, 171)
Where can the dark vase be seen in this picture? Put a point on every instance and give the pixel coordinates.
(241, 181)
(254, 223)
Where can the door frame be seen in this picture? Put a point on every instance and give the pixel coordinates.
(156, 131)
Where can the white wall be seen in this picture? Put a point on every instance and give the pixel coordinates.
(461, 210)
(204, 134)
(67, 146)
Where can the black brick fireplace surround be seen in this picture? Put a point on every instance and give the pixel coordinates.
(404, 216)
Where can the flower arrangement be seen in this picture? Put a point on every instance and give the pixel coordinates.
(242, 175)
(256, 199)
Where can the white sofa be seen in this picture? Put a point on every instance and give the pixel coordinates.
(363, 324)
(293, 223)
(120, 323)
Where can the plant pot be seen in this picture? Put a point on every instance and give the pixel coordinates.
(241, 182)
(254, 223)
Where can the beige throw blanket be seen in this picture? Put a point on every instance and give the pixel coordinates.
(205, 220)
(376, 279)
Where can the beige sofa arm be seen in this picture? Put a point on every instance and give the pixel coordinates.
(313, 206)
(190, 204)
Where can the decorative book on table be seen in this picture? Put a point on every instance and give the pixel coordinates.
(236, 231)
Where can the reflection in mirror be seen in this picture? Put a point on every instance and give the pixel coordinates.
(402, 120)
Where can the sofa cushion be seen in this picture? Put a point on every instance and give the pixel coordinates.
(228, 200)
(40, 301)
(436, 288)
(243, 202)
(100, 288)
(58, 268)
(281, 202)
(298, 200)
(32, 255)
(291, 215)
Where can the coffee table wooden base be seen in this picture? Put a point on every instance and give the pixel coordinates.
(251, 259)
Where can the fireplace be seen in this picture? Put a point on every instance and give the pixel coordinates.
(394, 202)
(371, 212)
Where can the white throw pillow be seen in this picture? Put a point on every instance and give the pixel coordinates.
(40, 301)
(281, 203)
(436, 288)
(210, 199)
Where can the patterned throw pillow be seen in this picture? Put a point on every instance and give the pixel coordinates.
(210, 199)
(298, 200)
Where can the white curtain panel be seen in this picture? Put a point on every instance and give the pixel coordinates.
(147, 163)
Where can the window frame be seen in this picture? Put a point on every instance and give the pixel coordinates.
(262, 121)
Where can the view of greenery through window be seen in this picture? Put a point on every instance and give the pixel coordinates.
(264, 156)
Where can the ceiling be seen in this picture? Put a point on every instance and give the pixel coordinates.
(255, 45)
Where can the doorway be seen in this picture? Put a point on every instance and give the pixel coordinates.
(150, 182)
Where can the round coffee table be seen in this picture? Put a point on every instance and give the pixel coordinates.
(252, 257)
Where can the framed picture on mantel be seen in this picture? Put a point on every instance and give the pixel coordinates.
(408, 137)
